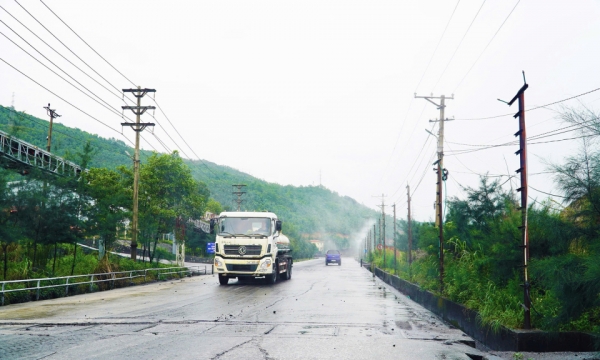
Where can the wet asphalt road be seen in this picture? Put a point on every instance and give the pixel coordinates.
(323, 312)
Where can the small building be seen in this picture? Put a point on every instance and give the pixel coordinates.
(318, 243)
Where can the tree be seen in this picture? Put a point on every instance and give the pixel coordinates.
(167, 191)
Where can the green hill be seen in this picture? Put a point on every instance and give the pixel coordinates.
(309, 209)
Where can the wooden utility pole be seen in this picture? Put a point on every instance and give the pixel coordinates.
(441, 174)
(138, 127)
(523, 189)
(395, 247)
(53, 115)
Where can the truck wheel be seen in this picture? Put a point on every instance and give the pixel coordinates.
(272, 278)
(288, 273)
(223, 280)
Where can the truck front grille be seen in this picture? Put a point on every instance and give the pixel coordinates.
(236, 267)
(252, 250)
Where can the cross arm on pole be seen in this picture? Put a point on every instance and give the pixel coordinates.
(139, 93)
(138, 126)
(138, 110)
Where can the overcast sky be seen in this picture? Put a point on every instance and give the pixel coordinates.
(302, 92)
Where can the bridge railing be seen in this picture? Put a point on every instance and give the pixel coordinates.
(36, 285)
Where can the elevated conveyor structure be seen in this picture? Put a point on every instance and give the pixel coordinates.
(18, 154)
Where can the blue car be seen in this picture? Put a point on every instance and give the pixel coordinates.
(333, 256)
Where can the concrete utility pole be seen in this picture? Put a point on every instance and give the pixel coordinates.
(441, 174)
(239, 194)
(53, 115)
(409, 230)
(523, 189)
(138, 127)
(395, 262)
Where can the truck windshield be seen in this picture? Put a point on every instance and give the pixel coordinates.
(245, 226)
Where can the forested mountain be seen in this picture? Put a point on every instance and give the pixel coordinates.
(309, 209)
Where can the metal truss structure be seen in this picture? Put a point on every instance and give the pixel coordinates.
(19, 154)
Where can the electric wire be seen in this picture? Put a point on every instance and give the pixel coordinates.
(58, 96)
(111, 109)
(160, 141)
(105, 105)
(413, 165)
(459, 44)
(35, 121)
(61, 55)
(488, 44)
(437, 46)
(123, 98)
(543, 192)
(185, 142)
(68, 48)
(61, 20)
(422, 176)
(97, 53)
(534, 108)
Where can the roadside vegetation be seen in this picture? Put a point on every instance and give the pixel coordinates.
(482, 254)
(43, 217)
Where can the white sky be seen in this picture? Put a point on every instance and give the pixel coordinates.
(286, 90)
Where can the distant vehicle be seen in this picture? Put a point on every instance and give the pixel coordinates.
(333, 256)
(250, 245)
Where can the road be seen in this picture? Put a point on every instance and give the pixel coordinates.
(323, 312)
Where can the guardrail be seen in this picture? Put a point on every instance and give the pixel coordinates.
(112, 277)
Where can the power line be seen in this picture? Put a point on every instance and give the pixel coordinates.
(459, 44)
(53, 93)
(488, 44)
(416, 159)
(105, 105)
(161, 142)
(543, 192)
(61, 55)
(40, 122)
(185, 142)
(534, 108)
(437, 46)
(72, 52)
(61, 20)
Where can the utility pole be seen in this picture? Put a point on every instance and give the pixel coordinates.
(374, 247)
(239, 194)
(395, 263)
(53, 115)
(409, 230)
(522, 152)
(138, 127)
(440, 170)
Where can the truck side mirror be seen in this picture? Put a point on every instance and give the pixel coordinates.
(278, 225)
(212, 225)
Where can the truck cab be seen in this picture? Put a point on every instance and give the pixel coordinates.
(251, 245)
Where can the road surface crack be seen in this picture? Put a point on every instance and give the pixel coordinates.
(230, 349)
(263, 351)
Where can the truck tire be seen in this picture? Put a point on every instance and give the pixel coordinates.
(288, 272)
(272, 278)
(223, 280)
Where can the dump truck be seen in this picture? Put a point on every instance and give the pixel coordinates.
(251, 245)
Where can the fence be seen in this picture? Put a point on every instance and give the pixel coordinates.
(111, 278)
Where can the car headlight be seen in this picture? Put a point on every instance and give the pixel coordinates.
(265, 264)
(218, 262)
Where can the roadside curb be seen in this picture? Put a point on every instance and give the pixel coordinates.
(504, 339)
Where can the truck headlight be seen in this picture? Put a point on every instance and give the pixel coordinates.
(218, 262)
(265, 264)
